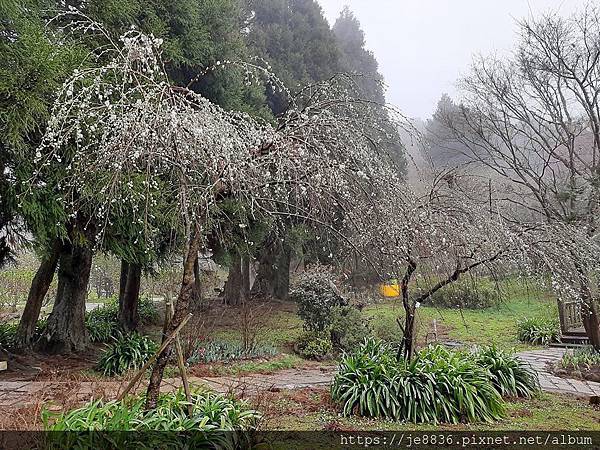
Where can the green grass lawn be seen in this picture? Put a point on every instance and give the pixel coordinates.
(280, 329)
(494, 325)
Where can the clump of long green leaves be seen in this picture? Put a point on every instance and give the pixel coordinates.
(537, 331)
(126, 352)
(438, 385)
(101, 330)
(102, 322)
(214, 421)
(581, 358)
(510, 376)
(8, 333)
(224, 351)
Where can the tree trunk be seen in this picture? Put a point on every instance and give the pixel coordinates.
(589, 311)
(129, 293)
(245, 278)
(66, 330)
(233, 290)
(197, 285)
(38, 290)
(273, 276)
(181, 310)
(409, 337)
(407, 345)
(591, 323)
(123, 278)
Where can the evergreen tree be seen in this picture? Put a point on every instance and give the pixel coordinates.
(443, 149)
(196, 33)
(355, 58)
(294, 37)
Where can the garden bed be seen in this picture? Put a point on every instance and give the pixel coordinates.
(312, 409)
(588, 374)
(581, 364)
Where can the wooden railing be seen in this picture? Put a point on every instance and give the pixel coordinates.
(569, 313)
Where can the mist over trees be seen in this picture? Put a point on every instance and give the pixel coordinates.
(355, 58)
(531, 121)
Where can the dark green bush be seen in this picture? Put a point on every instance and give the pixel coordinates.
(316, 296)
(348, 328)
(102, 322)
(8, 334)
(465, 294)
(314, 345)
(538, 331)
(438, 385)
(510, 376)
(214, 418)
(101, 331)
(147, 311)
(213, 351)
(126, 352)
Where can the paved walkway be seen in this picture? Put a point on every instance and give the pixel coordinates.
(283, 379)
(541, 360)
(21, 393)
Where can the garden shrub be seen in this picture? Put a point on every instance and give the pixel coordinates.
(510, 376)
(100, 330)
(438, 385)
(348, 328)
(314, 345)
(214, 422)
(126, 352)
(580, 358)
(8, 334)
(147, 311)
(315, 295)
(102, 322)
(465, 294)
(214, 351)
(538, 331)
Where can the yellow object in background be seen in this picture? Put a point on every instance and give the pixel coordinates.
(390, 289)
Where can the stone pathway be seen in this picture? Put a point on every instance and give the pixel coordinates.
(283, 379)
(22, 393)
(540, 360)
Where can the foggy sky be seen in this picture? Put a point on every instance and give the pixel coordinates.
(423, 46)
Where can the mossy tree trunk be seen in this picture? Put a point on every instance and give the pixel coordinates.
(129, 293)
(66, 330)
(38, 290)
(237, 286)
(273, 275)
